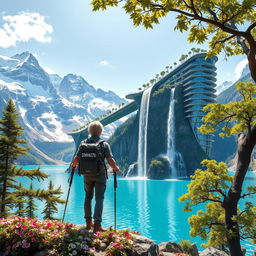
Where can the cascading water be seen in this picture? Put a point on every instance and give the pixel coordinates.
(175, 158)
(130, 169)
(143, 128)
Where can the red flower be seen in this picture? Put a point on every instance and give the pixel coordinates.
(117, 245)
(49, 225)
(24, 227)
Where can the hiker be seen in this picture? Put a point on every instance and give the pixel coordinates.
(95, 176)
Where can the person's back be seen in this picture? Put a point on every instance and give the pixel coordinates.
(95, 179)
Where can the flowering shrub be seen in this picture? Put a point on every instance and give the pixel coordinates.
(25, 236)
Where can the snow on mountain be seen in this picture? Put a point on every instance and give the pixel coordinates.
(51, 106)
(245, 71)
(222, 87)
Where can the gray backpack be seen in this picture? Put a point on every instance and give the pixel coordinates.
(91, 161)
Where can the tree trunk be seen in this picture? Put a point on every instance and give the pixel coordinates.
(245, 147)
(3, 207)
(252, 65)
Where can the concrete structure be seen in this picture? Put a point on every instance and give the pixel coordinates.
(197, 78)
(82, 134)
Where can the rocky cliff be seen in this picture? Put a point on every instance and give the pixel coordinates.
(124, 141)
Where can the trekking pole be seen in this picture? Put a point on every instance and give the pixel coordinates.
(70, 183)
(115, 186)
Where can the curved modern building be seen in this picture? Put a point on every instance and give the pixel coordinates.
(196, 76)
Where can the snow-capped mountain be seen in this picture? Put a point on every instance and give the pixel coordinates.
(222, 87)
(245, 71)
(51, 106)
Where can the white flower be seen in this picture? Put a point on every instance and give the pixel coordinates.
(73, 246)
(80, 237)
(85, 247)
(74, 252)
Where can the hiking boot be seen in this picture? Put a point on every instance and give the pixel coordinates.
(98, 228)
(89, 224)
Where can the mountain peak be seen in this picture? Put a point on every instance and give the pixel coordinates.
(73, 78)
(22, 56)
(26, 57)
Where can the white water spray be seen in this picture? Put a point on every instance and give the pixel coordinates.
(175, 158)
(143, 129)
(130, 169)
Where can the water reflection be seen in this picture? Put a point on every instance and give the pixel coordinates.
(148, 206)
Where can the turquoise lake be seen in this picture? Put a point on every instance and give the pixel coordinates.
(148, 206)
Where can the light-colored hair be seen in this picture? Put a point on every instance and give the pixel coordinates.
(95, 128)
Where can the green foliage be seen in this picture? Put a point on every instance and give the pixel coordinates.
(161, 90)
(12, 194)
(159, 168)
(211, 20)
(236, 116)
(210, 186)
(31, 207)
(186, 246)
(52, 200)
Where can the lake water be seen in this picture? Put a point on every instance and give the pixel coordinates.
(148, 206)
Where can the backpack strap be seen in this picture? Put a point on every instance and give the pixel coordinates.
(100, 143)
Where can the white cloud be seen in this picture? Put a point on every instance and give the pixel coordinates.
(239, 68)
(24, 27)
(104, 63)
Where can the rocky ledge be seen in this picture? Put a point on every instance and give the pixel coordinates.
(26, 236)
(143, 246)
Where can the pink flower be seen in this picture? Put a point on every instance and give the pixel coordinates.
(30, 233)
(33, 239)
(25, 244)
(20, 233)
(110, 235)
(49, 225)
(117, 245)
(24, 227)
(98, 234)
(92, 249)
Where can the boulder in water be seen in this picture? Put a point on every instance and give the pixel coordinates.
(159, 169)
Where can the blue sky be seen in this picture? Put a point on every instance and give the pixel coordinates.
(103, 47)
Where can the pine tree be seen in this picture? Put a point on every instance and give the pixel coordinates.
(52, 200)
(11, 194)
(31, 207)
(21, 211)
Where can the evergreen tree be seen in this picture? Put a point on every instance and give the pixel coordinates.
(31, 207)
(10, 149)
(21, 211)
(52, 200)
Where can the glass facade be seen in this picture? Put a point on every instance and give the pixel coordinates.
(197, 77)
(197, 93)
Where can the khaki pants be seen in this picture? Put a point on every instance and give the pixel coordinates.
(97, 184)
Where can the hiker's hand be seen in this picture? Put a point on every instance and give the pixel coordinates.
(116, 170)
(73, 167)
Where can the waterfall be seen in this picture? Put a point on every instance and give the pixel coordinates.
(143, 128)
(175, 158)
(130, 169)
(171, 132)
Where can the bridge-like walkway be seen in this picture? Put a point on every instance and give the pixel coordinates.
(82, 134)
